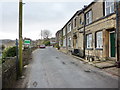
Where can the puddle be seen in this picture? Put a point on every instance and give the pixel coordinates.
(76, 64)
(57, 57)
(87, 71)
(72, 62)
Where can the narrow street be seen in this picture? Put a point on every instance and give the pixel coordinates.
(53, 69)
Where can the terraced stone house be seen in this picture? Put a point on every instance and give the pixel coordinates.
(91, 32)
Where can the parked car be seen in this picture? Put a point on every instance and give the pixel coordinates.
(42, 46)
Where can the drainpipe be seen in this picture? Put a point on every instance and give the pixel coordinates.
(66, 40)
(84, 41)
(118, 32)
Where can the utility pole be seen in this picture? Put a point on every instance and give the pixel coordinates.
(20, 37)
(17, 71)
(41, 34)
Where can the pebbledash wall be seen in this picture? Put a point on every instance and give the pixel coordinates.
(93, 31)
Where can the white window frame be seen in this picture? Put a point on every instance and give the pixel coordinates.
(88, 16)
(75, 22)
(80, 20)
(99, 39)
(64, 42)
(69, 41)
(89, 41)
(69, 28)
(109, 5)
(64, 32)
(59, 43)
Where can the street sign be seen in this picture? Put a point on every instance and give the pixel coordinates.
(27, 41)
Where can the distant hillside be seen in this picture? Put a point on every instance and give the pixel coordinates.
(7, 42)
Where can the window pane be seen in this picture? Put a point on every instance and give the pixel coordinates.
(80, 21)
(109, 7)
(64, 42)
(90, 16)
(107, 10)
(90, 38)
(89, 41)
(99, 40)
(107, 3)
(112, 8)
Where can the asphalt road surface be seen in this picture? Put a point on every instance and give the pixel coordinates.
(53, 69)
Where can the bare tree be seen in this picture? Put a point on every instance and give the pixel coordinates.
(46, 34)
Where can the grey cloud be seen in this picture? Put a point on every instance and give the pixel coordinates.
(49, 11)
(38, 15)
(9, 12)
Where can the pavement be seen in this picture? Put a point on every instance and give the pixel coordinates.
(53, 69)
(108, 65)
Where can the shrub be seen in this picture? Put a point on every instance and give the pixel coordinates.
(57, 46)
(47, 43)
(9, 52)
(3, 47)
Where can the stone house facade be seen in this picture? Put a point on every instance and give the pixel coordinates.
(100, 31)
(59, 36)
(93, 31)
(118, 32)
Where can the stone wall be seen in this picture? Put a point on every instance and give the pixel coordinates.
(64, 50)
(9, 69)
(8, 73)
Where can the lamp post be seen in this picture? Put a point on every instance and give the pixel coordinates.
(20, 37)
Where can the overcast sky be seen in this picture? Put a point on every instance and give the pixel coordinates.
(37, 15)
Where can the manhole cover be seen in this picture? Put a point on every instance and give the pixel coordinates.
(35, 84)
(63, 63)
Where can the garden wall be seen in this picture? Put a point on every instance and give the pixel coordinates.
(9, 69)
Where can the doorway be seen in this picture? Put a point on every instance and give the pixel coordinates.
(112, 44)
